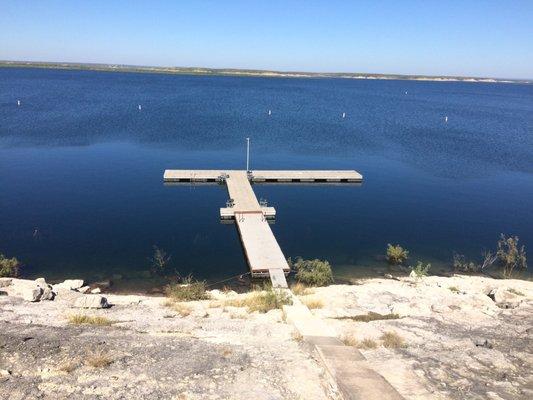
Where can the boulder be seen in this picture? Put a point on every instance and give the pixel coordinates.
(502, 295)
(91, 301)
(32, 293)
(41, 282)
(69, 284)
(96, 290)
(48, 293)
(84, 289)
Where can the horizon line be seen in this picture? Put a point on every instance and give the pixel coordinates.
(198, 70)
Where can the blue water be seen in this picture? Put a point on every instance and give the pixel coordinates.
(81, 191)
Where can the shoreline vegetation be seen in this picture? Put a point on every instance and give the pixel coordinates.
(248, 72)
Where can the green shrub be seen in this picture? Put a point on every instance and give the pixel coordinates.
(421, 269)
(9, 267)
(312, 272)
(396, 255)
(510, 256)
(187, 290)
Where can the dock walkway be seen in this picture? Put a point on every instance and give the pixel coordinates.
(263, 253)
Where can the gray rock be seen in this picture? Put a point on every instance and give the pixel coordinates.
(483, 343)
(48, 293)
(32, 294)
(91, 301)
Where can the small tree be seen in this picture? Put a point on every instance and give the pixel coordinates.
(312, 272)
(510, 256)
(9, 267)
(396, 255)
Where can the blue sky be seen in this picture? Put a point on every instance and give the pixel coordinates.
(477, 38)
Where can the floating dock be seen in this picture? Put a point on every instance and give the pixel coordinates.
(263, 253)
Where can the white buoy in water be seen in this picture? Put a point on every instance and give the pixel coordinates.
(406, 92)
(140, 108)
(269, 112)
(446, 118)
(18, 102)
(343, 115)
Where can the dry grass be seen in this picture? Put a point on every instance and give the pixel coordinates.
(312, 303)
(297, 336)
(368, 344)
(98, 359)
(262, 301)
(82, 319)
(181, 308)
(392, 340)
(226, 351)
(350, 340)
(371, 316)
(299, 289)
(67, 367)
(514, 291)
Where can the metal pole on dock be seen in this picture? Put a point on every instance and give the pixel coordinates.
(247, 154)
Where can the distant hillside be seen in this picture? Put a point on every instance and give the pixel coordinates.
(246, 72)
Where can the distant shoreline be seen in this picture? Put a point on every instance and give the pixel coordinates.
(248, 72)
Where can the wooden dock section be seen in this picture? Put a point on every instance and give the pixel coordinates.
(205, 175)
(261, 248)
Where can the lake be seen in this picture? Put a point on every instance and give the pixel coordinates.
(81, 169)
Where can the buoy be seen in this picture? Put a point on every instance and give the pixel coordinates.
(18, 102)
(269, 112)
(406, 92)
(446, 118)
(140, 108)
(343, 115)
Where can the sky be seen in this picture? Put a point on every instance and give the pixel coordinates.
(468, 38)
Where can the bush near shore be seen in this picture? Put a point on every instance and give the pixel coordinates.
(312, 272)
(9, 267)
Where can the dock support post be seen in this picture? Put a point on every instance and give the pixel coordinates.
(247, 154)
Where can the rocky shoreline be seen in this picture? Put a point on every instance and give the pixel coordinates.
(455, 337)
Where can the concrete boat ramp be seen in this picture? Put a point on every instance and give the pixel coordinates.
(263, 253)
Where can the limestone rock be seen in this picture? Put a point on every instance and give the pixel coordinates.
(41, 282)
(32, 294)
(84, 289)
(48, 293)
(91, 301)
(502, 295)
(69, 284)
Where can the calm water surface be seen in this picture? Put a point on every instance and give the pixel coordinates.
(81, 191)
